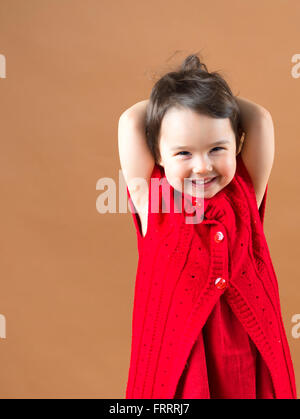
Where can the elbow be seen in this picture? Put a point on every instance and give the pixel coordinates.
(124, 115)
(265, 113)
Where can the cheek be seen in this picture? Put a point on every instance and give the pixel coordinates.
(227, 166)
(175, 176)
(229, 171)
(176, 170)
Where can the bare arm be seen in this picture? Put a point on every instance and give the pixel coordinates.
(135, 157)
(137, 112)
(259, 145)
(250, 111)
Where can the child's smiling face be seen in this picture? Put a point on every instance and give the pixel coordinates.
(198, 156)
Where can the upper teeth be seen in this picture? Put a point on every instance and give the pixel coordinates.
(202, 181)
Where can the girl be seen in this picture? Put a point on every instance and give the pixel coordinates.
(206, 318)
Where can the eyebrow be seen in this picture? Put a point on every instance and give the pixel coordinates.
(182, 147)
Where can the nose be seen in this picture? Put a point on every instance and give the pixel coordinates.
(202, 166)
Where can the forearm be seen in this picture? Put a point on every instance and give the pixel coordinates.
(250, 112)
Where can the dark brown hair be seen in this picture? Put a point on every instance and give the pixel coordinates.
(190, 86)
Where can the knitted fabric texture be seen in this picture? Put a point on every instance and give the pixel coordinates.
(181, 274)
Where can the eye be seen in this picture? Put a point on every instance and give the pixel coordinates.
(215, 148)
(221, 148)
(181, 152)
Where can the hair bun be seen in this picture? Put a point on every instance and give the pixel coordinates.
(192, 63)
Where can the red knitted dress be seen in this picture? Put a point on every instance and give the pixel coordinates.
(223, 349)
(206, 318)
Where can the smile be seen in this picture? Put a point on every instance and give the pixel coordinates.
(206, 184)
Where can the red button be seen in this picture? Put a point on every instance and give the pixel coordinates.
(219, 236)
(198, 203)
(220, 283)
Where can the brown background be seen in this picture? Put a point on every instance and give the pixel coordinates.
(72, 67)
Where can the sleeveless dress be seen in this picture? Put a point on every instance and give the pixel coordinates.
(169, 357)
(224, 349)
